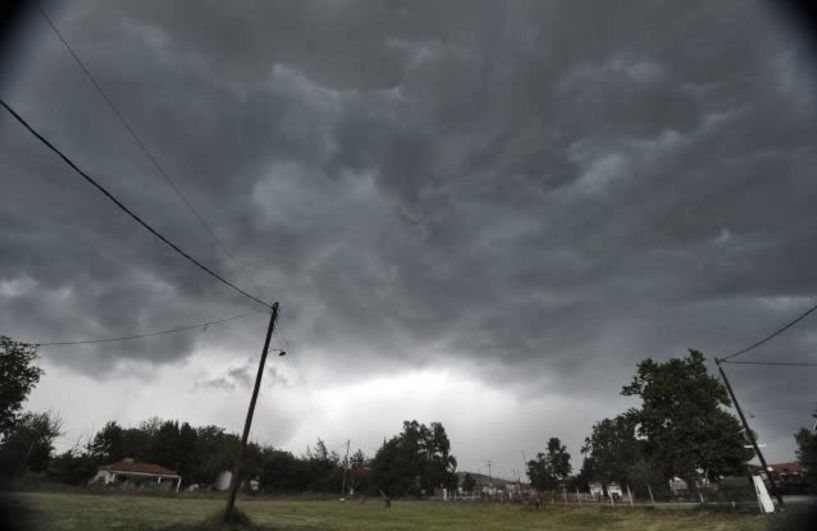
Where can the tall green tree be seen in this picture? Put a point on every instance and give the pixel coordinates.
(683, 420)
(415, 462)
(358, 460)
(611, 450)
(29, 443)
(188, 449)
(108, 445)
(549, 467)
(18, 376)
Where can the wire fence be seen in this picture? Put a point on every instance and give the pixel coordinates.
(732, 493)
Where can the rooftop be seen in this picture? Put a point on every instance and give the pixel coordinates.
(139, 468)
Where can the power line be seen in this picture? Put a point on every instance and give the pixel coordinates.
(783, 363)
(293, 361)
(148, 334)
(145, 150)
(118, 203)
(772, 335)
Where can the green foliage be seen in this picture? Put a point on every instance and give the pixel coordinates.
(72, 467)
(807, 454)
(611, 450)
(108, 444)
(18, 376)
(200, 454)
(415, 462)
(683, 421)
(548, 468)
(358, 477)
(29, 443)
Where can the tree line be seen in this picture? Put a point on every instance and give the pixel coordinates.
(413, 462)
(680, 429)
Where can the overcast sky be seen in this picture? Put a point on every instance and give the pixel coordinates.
(479, 213)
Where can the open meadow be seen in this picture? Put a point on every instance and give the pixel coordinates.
(73, 511)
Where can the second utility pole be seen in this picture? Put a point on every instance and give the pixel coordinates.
(751, 436)
(345, 468)
(234, 481)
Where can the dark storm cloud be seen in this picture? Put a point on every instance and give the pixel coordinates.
(544, 187)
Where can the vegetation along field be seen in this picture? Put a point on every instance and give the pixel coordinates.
(60, 511)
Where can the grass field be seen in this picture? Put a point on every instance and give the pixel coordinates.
(60, 511)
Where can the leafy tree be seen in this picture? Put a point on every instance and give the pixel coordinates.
(188, 450)
(558, 458)
(18, 376)
(216, 451)
(807, 453)
(415, 461)
(611, 450)
(358, 476)
(358, 460)
(321, 469)
(468, 483)
(683, 420)
(72, 467)
(29, 443)
(165, 448)
(644, 476)
(282, 472)
(548, 468)
(108, 445)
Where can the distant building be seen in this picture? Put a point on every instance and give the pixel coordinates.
(678, 486)
(791, 468)
(614, 490)
(596, 490)
(790, 476)
(135, 473)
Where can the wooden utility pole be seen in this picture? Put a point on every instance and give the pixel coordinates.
(750, 435)
(234, 481)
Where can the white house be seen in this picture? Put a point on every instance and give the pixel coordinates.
(596, 490)
(614, 490)
(130, 470)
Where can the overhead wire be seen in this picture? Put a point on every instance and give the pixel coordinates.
(294, 361)
(281, 338)
(772, 335)
(159, 168)
(295, 377)
(128, 211)
(148, 334)
(288, 362)
(782, 363)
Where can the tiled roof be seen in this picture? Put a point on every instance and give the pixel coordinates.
(139, 468)
(791, 467)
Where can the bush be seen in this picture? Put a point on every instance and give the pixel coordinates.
(72, 468)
